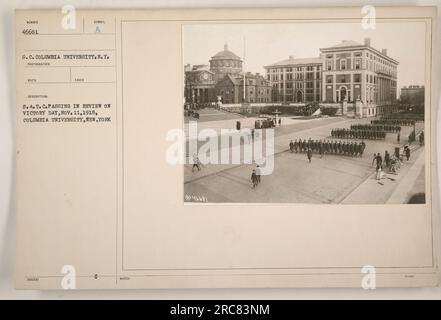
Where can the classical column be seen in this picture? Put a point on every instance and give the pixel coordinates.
(334, 88)
(352, 86)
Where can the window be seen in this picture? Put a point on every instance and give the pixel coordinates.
(357, 77)
(343, 64)
(329, 65)
(357, 64)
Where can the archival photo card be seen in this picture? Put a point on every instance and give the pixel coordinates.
(226, 148)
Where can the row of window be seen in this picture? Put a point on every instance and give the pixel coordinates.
(297, 76)
(295, 69)
(342, 64)
(374, 64)
(344, 78)
(297, 85)
(251, 92)
(369, 56)
(356, 78)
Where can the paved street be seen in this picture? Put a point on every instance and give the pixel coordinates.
(331, 179)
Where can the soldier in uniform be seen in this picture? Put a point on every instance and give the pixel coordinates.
(387, 158)
(355, 149)
(320, 148)
(407, 152)
(254, 179)
(309, 154)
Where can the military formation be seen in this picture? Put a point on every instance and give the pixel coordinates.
(344, 133)
(393, 122)
(404, 116)
(321, 147)
(376, 127)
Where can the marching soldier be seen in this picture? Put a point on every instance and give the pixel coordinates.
(320, 147)
(309, 154)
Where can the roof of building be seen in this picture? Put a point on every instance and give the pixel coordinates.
(346, 43)
(198, 68)
(351, 43)
(225, 54)
(237, 79)
(291, 62)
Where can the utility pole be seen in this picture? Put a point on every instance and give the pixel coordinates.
(243, 68)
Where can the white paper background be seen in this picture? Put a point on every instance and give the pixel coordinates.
(7, 167)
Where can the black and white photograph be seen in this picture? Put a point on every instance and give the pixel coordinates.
(319, 112)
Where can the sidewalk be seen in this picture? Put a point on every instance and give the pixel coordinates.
(394, 189)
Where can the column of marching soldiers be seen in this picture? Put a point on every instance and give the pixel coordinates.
(353, 149)
(376, 130)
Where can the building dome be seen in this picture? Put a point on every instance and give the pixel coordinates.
(225, 62)
(225, 54)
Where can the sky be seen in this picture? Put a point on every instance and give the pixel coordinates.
(267, 43)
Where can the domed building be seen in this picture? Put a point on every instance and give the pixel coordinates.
(224, 81)
(225, 62)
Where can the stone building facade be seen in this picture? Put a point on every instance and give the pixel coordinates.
(295, 80)
(232, 89)
(199, 83)
(412, 95)
(353, 71)
(348, 71)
